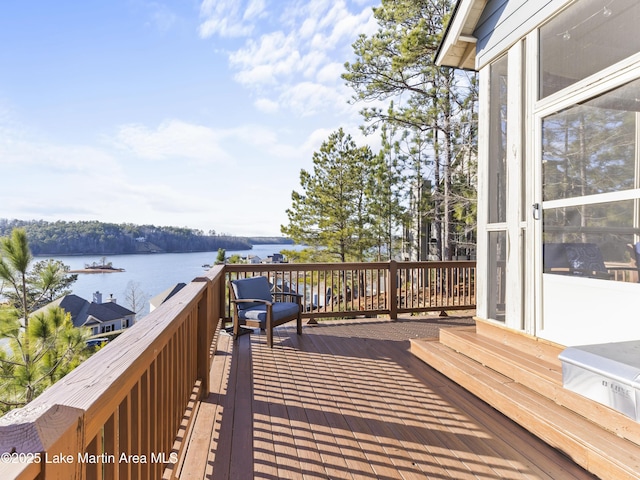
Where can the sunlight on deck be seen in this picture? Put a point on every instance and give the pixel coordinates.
(348, 400)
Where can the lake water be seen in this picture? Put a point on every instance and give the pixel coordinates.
(153, 272)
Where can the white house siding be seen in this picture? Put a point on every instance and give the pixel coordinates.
(580, 311)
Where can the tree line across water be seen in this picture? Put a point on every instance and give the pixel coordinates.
(98, 238)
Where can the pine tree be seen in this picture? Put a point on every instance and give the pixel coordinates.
(436, 105)
(43, 345)
(334, 209)
(385, 191)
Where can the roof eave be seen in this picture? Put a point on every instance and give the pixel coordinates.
(458, 46)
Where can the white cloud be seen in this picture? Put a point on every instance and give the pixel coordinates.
(299, 61)
(164, 197)
(171, 169)
(266, 105)
(309, 98)
(340, 26)
(173, 139)
(255, 9)
(93, 185)
(307, 28)
(312, 62)
(330, 73)
(315, 139)
(275, 55)
(18, 149)
(103, 183)
(229, 18)
(255, 135)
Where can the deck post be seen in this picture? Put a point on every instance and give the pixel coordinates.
(48, 438)
(393, 290)
(210, 311)
(204, 329)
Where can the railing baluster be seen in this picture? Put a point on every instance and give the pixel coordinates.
(154, 414)
(111, 449)
(94, 470)
(136, 420)
(166, 406)
(124, 436)
(145, 441)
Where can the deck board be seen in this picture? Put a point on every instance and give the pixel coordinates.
(347, 400)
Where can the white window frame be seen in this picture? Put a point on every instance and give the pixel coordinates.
(599, 83)
(514, 227)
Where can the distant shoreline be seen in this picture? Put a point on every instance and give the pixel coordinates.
(106, 254)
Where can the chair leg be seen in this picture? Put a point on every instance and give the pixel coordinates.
(236, 328)
(269, 326)
(299, 324)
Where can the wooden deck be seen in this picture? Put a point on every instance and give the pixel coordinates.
(347, 400)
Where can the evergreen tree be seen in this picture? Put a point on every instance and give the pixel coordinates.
(334, 210)
(385, 187)
(437, 105)
(43, 345)
(49, 279)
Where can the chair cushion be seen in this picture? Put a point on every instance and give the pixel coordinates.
(254, 287)
(279, 310)
(580, 258)
(554, 256)
(585, 256)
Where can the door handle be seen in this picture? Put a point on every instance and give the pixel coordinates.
(536, 211)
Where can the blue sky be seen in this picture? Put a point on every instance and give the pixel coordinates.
(179, 112)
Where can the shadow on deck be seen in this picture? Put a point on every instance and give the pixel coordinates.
(348, 400)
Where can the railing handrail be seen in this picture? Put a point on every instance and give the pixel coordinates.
(299, 267)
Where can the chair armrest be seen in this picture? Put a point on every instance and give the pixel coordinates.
(580, 272)
(290, 294)
(583, 272)
(559, 270)
(252, 300)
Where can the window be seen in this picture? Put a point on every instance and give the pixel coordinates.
(595, 240)
(497, 275)
(591, 172)
(590, 148)
(587, 37)
(497, 190)
(497, 170)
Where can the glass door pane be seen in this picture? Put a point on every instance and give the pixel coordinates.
(497, 285)
(498, 142)
(497, 192)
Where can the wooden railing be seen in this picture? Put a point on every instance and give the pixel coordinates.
(121, 414)
(352, 289)
(124, 412)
